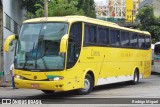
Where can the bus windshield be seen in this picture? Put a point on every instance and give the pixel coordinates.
(38, 46)
(157, 52)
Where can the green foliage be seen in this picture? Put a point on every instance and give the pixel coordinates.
(146, 16)
(63, 8)
(88, 6)
(30, 5)
(39, 12)
(34, 8)
(59, 8)
(149, 22)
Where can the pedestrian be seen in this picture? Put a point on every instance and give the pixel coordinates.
(12, 74)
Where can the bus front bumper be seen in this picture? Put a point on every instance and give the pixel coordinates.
(40, 85)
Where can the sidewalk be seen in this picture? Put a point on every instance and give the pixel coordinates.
(6, 84)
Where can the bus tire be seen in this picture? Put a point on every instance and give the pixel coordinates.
(135, 78)
(88, 85)
(48, 91)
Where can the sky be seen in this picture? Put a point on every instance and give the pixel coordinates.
(103, 0)
(99, 0)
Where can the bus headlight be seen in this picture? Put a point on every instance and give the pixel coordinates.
(18, 76)
(56, 79)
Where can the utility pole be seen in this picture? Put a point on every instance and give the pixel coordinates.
(45, 8)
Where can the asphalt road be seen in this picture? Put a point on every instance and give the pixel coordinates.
(123, 93)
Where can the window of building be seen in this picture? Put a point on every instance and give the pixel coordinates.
(15, 28)
(7, 22)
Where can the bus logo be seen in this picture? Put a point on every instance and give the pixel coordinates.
(35, 77)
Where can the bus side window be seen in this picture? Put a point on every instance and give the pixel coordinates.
(157, 49)
(148, 42)
(141, 41)
(124, 38)
(74, 44)
(71, 52)
(157, 52)
(114, 37)
(86, 35)
(102, 36)
(90, 34)
(134, 40)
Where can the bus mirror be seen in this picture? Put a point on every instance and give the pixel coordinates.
(63, 43)
(9, 43)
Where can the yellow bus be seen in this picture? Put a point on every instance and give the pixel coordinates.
(78, 53)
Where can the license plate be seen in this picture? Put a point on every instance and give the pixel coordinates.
(35, 85)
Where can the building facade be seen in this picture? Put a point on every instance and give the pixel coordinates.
(11, 18)
(117, 9)
(154, 3)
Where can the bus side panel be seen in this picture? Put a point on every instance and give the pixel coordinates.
(147, 63)
(119, 62)
(147, 69)
(76, 75)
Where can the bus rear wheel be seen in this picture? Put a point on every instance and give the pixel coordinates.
(88, 85)
(135, 77)
(48, 91)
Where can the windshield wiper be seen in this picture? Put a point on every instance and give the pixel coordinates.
(41, 45)
(44, 63)
(25, 62)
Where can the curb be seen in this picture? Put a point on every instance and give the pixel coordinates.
(5, 85)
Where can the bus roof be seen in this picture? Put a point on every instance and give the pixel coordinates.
(83, 19)
(157, 43)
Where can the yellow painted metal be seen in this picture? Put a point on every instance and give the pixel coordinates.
(63, 44)
(7, 42)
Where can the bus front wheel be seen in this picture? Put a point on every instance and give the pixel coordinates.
(88, 85)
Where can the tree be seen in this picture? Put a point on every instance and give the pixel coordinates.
(29, 5)
(34, 8)
(88, 6)
(59, 8)
(64, 7)
(149, 22)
